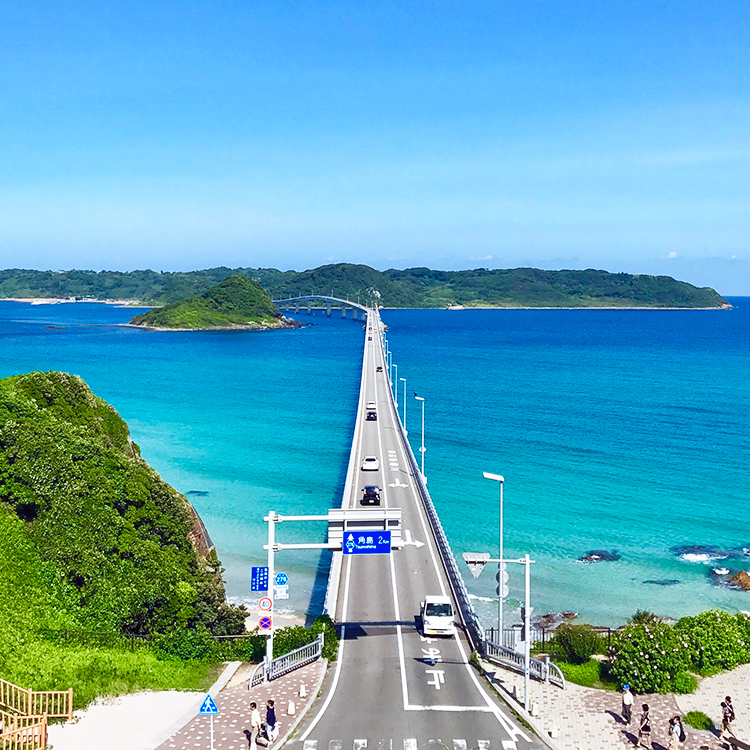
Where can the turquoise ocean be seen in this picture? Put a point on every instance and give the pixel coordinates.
(618, 431)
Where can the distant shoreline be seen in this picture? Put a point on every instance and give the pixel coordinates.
(138, 303)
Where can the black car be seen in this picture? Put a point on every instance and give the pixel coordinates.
(379, 369)
(370, 495)
(372, 416)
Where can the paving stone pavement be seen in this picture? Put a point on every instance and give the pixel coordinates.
(234, 711)
(580, 718)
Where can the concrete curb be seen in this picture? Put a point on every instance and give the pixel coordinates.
(226, 675)
(282, 740)
(517, 707)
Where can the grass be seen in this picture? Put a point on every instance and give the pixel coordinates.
(593, 674)
(698, 720)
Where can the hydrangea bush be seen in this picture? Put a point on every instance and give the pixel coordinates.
(716, 639)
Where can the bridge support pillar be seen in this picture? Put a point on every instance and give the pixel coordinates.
(296, 307)
(309, 308)
(328, 309)
(343, 311)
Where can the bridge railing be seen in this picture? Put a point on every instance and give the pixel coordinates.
(282, 665)
(467, 612)
(543, 671)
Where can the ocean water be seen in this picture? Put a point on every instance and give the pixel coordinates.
(623, 431)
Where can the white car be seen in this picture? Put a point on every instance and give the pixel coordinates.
(371, 406)
(370, 463)
(437, 616)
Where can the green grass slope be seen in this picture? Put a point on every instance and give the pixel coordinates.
(92, 540)
(236, 301)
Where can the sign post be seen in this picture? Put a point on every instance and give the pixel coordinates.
(208, 708)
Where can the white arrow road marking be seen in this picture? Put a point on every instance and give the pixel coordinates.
(426, 639)
(398, 483)
(432, 654)
(408, 540)
(438, 675)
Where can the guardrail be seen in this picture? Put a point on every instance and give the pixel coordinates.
(469, 617)
(542, 671)
(29, 736)
(282, 665)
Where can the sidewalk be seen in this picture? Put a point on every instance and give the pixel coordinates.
(580, 718)
(234, 711)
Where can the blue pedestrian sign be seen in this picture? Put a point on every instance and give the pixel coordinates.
(281, 579)
(208, 707)
(367, 543)
(259, 578)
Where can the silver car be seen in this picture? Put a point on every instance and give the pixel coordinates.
(370, 463)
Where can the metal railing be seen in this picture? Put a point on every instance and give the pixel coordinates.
(282, 665)
(542, 671)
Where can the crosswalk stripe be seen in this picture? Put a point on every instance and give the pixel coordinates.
(483, 745)
(360, 744)
(459, 744)
(385, 745)
(335, 745)
(310, 745)
(410, 744)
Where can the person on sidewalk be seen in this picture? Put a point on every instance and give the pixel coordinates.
(727, 714)
(644, 729)
(272, 729)
(627, 703)
(255, 725)
(676, 733)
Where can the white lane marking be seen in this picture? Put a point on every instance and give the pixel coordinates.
(340, 658)
(438, 677)
(310, 745)
(360, 745)
(410, 744)
(509, 745)
(335, 745)
(483, 745)
(432, 655)
(409, 541)
(452, 709)
(459, 744)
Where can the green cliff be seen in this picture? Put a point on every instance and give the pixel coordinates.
(236, 302)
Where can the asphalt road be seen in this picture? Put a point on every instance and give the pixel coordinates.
(392, 688)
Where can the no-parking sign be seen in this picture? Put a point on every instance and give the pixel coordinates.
(265, 623)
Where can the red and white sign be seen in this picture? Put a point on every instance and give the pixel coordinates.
(265, 623)
(265, 604)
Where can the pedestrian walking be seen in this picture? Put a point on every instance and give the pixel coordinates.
(676, 733)
(255, 725)
(727, 714)
(728, 701)
(644, 729)
(627, 703)
(272, 727)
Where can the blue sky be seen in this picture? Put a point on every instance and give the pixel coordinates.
(448, 134)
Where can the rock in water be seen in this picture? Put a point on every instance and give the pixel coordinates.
(742, 579)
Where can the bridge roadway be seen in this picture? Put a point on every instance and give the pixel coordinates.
(392, 688)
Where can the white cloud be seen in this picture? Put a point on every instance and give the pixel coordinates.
(673, 254)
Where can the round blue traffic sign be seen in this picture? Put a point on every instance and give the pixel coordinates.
(281, 579)
(265, 623)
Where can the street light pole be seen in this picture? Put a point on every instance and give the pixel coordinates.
(395, 385)
(422, 449)
(527, 640)
(271, 577)
(405, 430)
(501, 565)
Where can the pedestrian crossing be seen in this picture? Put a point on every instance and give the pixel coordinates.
(409, 743)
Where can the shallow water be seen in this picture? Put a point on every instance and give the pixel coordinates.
(615, 430)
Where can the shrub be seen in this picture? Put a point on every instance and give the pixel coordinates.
(698, 720)
(192, 645)
(684, 683)
(575, 643)
(643, 617)
(649, 657)
(715, 639)
(325, 625)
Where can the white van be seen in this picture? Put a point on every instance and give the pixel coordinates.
(437, 616)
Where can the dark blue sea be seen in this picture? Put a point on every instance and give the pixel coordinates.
(616, 431)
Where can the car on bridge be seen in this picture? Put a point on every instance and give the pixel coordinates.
(370, 463)
(371, 405)
(436, 613)
(378, 369)
(370, 495)
(372, 416)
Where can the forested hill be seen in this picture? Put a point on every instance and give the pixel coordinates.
(413, 287)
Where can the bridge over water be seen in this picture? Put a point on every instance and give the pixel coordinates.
(392, 688)
(312, 302)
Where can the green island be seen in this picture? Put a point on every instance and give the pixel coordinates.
(409, 288)
(236, 302)
(109, 582)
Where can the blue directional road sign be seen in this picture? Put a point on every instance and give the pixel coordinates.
(259, 578)
(208, 707)
(281, 579)
(367, 543)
